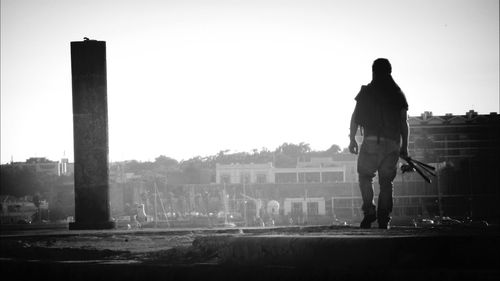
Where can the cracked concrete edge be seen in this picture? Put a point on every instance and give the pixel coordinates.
(342, 252)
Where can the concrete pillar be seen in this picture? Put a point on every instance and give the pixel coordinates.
(90, 132)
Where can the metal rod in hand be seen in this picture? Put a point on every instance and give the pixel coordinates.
(410, 162)
(423, 168)
(427, 166)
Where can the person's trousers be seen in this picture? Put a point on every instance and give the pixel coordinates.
(377, 157)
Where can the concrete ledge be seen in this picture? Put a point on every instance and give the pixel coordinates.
(477, 252)
(93, 225)
(308, 253)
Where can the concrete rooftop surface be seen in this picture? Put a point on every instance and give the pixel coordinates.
(272, 253)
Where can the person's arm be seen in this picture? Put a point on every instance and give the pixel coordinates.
(405, 132)
(353, 129)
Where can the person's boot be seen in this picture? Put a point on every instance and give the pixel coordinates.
(384, 223)
(367, 221)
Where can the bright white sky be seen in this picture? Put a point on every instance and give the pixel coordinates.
(189, 78)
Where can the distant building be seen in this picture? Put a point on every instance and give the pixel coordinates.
(317, 170)
(44, 166)
(19, 210)
(40, 165)
(244, 173)
(297, 207)
(66, 168)
(454, 137)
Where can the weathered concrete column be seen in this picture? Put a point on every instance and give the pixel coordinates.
(90, 132)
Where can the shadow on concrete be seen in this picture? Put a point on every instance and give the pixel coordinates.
(291, 253)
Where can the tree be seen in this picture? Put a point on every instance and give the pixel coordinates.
(192, 174)
(334, 149)
(165, 161)
(284, 161)
(294, 150)
(288, 153)
(19, 181)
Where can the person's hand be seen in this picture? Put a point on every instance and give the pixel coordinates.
(353, 147)
(403, 152)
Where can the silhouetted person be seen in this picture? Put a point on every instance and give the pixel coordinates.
(381, 112)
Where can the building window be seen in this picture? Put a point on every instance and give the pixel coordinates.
(296, 208)
(285, 177)
(309, 177)
(312, 208)
(261, 178)
(333, 176)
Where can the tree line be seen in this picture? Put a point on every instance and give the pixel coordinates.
(285, 156)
